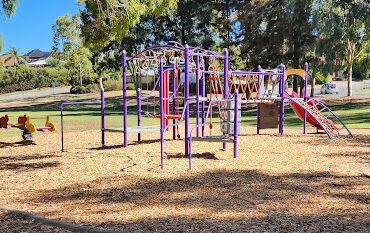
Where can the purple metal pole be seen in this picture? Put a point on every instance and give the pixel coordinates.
(138, 98)
(161, 86)
(124, 96)
(186, 86)
(102, 113)
(236, 110)
(174, 88)
(282, 90)
(306, 70)
(62, 126)
(226, 82)
(203, 103)
(197, 93)
(259, 69)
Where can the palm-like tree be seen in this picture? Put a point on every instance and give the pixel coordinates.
(15, 54)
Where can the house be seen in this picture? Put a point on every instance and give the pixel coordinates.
(36, 55)
(7, 60)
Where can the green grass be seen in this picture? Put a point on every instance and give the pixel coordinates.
(363, 91)
(79, 118)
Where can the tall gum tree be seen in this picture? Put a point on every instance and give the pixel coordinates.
(346, 23)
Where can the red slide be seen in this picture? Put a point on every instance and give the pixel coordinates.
(299, 111)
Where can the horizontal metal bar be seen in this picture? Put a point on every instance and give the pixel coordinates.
(132, 130)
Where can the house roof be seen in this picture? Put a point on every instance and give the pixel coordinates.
(37, 54)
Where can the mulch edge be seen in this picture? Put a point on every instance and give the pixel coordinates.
(55, 223)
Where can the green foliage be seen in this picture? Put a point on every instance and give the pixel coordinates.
(322, 78)
(8, 7)
(79, 90)
(276, 32)
(68, 47)
(26, 78)
(112, 85)
(130, 86)
(345, 24)
(111, 20)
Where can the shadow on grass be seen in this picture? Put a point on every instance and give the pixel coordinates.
(230, 194)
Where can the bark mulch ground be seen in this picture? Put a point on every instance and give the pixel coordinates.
(300, 183)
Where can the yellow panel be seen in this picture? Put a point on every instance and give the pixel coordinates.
(299, 72)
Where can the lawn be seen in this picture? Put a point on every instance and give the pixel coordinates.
(80, 118)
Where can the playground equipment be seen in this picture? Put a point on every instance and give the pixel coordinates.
(24, 123)
(218, 92)
(312, 111)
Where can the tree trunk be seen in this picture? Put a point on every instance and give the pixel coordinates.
(349, 77)
(313, 82)
(351, 50)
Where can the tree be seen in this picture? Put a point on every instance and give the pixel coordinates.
(111, 20)
(15, 54)
(346, 23)
(68, 48)
(8, 8)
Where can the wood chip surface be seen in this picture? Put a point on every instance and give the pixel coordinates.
(293, 183)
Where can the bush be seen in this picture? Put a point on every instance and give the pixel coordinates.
(79, 90)
(322, 78)
(23, 78)
(130, 86)
(112, 85)
(26, 78)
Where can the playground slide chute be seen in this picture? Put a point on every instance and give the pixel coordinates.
(315, 111)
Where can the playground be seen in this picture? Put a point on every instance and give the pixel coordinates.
(202, 148)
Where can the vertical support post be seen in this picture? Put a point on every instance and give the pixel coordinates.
(197, 93)
(236, 122)
(225, 79)
(138, 98)
(161, 107)
(259, 69)
(174, 87)
(102, 112)
(305, 97)
(186, 86)
(62, 126)
(124, 95)
(281, 91)
(203, 95)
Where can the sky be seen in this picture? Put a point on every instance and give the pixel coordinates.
(31, 26)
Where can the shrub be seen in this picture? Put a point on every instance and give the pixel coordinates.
(130, 86)
(79, 90)
(23, 78)
(112, 85)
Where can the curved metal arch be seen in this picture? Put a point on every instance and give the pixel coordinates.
(299, 72)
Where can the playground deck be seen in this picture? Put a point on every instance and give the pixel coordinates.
(289, 183)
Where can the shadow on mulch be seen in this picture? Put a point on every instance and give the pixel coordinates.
(26, 157)
(16, 144)
(229, 191)
(142, 142)
(27, 166)
(205, 155)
